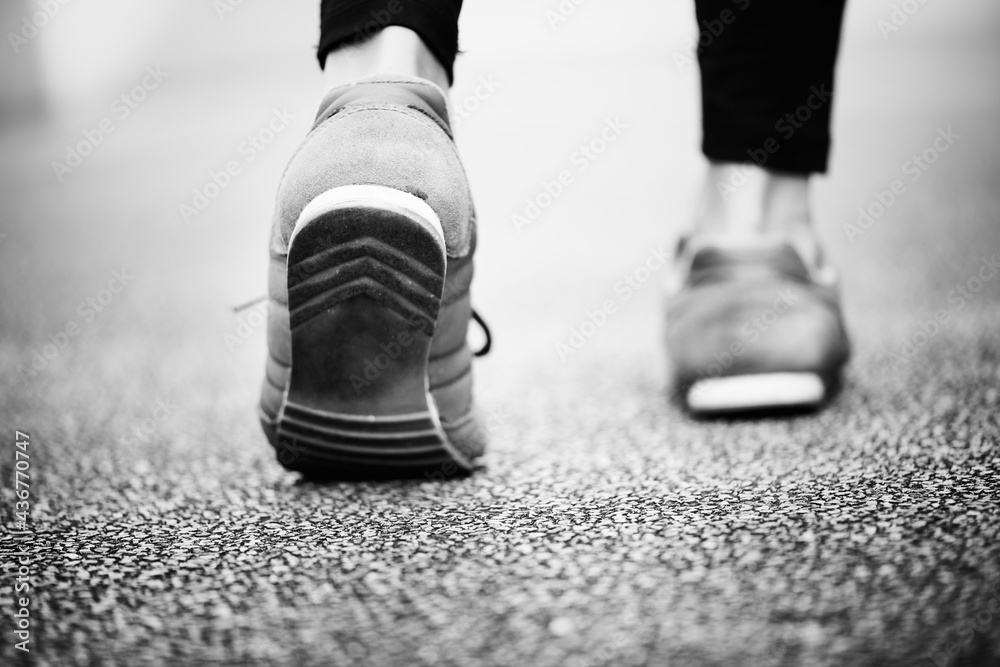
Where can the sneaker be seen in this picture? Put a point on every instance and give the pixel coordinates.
(753, 328)
(369, 372)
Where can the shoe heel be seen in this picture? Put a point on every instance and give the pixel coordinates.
(366, 269)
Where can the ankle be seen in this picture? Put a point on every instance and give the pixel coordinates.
(393, 50)
(743, 204)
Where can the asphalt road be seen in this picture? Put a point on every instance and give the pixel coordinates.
(605, 526)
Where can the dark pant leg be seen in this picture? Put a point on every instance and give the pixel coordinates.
(767, 80)
(346, 22)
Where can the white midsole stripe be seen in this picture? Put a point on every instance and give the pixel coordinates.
(373, 196)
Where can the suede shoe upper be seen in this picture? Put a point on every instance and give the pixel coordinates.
(380, 131)
(755, 311)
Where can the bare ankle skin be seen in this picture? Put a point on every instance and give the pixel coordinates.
(745, 204)
(394, 50)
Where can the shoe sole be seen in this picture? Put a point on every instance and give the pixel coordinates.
(366, 272)
(759, 391)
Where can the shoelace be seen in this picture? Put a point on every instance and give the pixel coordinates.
(482, 352)
(249, 304)
(485, 349)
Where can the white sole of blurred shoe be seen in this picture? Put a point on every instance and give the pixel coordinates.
(760, 391)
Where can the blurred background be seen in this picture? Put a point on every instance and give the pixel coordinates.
(116, 115)
(224, 69)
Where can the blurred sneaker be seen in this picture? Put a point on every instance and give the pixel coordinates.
(753, 328)
(369, 372)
